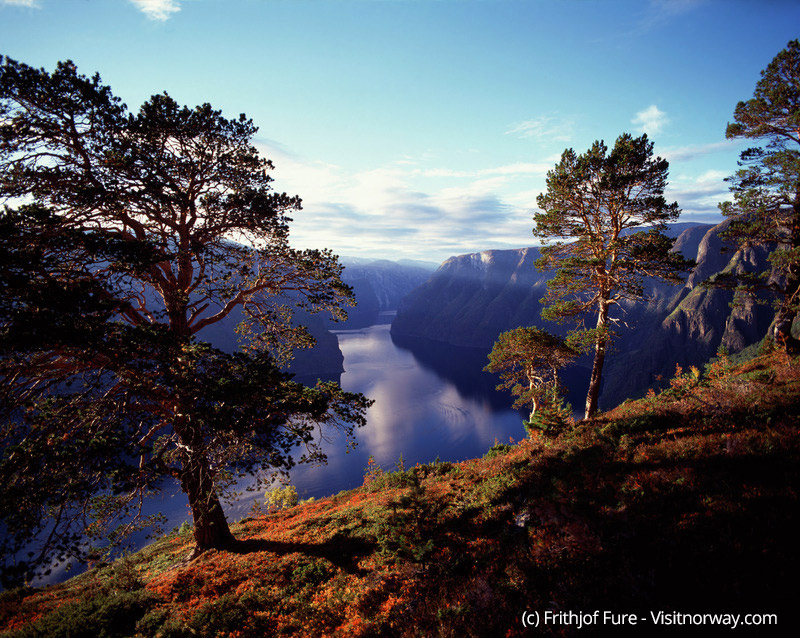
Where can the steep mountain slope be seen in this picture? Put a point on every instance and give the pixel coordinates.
(472, 298)
(691, 329)
(379, 286)
(324, 360)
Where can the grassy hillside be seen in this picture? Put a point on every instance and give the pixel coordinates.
(685, 501)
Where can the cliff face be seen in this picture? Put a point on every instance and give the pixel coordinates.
(473, 298)
(695, 325)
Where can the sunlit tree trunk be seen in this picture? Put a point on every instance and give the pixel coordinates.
(782, 324)
(593, 393)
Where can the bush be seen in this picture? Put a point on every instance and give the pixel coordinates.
(281, 497)
(107, 615)
(498, 449)
(553, 418)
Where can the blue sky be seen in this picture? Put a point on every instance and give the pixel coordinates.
(425, 128)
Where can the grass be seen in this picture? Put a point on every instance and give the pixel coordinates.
(686, 500)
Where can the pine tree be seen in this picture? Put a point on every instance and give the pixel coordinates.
(145, 229)
(765, 209)
(591, 210)
(528, 360)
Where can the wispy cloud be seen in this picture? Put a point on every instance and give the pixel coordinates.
(699, 196)
(160, 10)
(20, 3)
(687, 153)
(651, 120)
(649, 16)
(545, 127)
(664, 9)
(660, 12)
(395, 210)
(519, 168)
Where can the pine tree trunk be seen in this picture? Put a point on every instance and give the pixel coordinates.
(781, 329)
(593, 394)
(211, 529)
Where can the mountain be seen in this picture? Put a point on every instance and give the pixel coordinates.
(379, 285)
(694, 325)
(472, 298)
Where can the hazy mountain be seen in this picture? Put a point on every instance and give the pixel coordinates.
(379, 285)
(323, 360)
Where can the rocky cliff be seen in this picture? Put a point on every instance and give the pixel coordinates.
(697, 322)
(472, 298)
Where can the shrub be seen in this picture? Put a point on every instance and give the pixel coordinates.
(107, 615)
(498, 449)
(552, 418)
(281, 497)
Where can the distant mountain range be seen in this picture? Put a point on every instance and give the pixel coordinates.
(379, 286)
(472, 298)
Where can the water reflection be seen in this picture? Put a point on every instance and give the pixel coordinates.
(420, 411)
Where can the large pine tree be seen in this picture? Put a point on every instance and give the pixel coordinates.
(144, 229)
(591, 210)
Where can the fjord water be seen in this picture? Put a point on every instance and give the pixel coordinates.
(430, 402)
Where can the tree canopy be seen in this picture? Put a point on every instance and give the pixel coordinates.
(124, 235)
(528, 360)
(765, 209)
(591, 210)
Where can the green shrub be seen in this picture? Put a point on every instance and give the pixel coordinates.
(552, 418)
(281, 497)
(498, 449)
(107, 615)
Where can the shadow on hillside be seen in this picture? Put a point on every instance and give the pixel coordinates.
(342, 551)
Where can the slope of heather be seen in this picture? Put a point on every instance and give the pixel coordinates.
(684, 501)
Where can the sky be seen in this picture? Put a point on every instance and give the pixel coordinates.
(423, 129)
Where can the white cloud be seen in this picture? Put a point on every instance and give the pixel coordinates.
(688, 153)
(519, 168)
(699, 195)
(395, 211)
(158, 9)
(545, 127)
(651, 120)
(20, 3)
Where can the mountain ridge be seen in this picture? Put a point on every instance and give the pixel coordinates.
(472, 298)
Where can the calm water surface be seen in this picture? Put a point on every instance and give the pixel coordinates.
(421, 411)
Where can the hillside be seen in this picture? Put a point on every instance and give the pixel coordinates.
(682, 502)
(379, 286)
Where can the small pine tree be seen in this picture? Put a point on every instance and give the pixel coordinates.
(528, 360)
